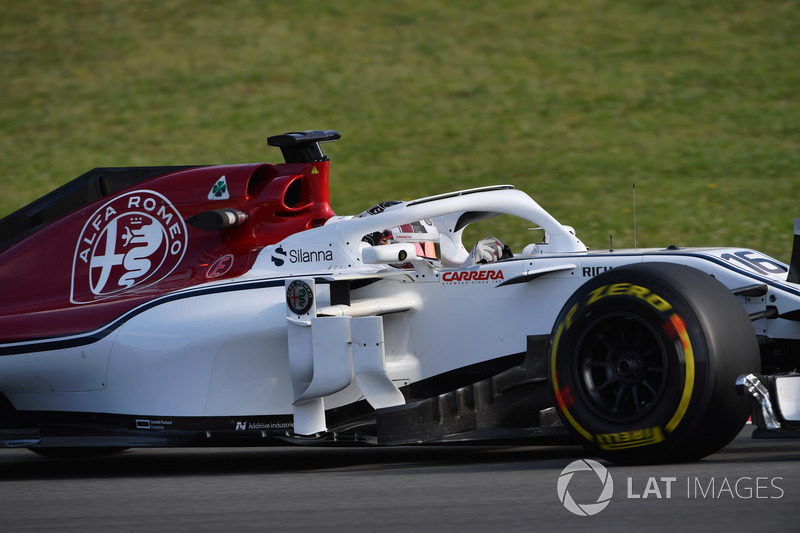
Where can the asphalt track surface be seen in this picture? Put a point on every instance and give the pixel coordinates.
(751, 485)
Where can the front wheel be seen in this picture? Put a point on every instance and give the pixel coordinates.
(643, 362)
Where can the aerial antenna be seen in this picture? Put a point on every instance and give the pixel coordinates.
(634, 216)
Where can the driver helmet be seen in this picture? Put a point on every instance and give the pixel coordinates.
(422, 233)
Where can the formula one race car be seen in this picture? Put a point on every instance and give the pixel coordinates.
(228, 305)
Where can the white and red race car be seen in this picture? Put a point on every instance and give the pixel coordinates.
(228, 305)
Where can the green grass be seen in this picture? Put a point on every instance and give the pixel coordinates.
(696, 102)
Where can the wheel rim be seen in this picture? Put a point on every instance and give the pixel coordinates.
(622, 367)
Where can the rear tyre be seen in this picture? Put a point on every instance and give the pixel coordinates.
(643, 362)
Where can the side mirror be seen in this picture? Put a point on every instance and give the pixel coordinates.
(389, 253)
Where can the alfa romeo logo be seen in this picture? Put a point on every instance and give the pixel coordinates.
(585, 509)
(299, 297)
(134, 240)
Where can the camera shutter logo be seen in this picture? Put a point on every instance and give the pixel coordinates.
(585, 509)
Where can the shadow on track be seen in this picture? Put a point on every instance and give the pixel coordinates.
(22, 464)
(187, 462)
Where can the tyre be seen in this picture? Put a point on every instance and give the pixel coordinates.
(643, 361)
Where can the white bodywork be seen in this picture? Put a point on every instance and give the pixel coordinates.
(235, 348)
